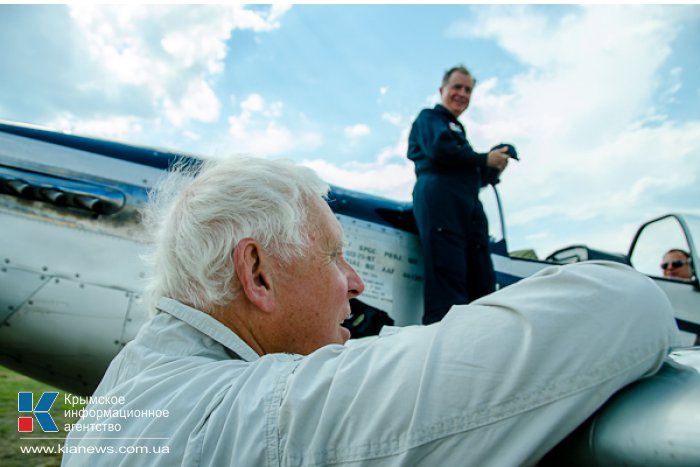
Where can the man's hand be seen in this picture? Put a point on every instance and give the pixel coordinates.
(498, 159)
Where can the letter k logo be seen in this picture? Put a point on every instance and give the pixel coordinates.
(25, 403)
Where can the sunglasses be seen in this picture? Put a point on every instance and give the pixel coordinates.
(673, 264)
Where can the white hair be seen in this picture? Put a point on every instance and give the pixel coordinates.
(197, 216)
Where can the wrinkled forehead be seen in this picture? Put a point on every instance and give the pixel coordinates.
(323, 224)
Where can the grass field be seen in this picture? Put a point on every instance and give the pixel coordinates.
(11, 441)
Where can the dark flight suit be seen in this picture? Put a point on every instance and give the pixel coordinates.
(451, 221)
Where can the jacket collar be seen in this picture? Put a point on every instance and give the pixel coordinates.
(209, 327)
(442, 109)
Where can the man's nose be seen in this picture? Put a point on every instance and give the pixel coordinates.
(355, 283)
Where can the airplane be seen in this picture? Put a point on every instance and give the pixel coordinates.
(71, 275)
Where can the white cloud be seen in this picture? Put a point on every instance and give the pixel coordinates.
(192, 136)
(390, 174)
(674, 84)
(171, 51)
(357, 130)
(274, 139)
(198, 103)
(397, 151)
(388, 180)
(257, 131)
(393, 118)
(118, 128)
(253, 103)
(247, 19)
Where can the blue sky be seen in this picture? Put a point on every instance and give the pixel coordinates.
(602, 102)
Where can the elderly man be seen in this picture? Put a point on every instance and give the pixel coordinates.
(244, 362)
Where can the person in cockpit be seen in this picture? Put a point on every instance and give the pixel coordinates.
(676, 264)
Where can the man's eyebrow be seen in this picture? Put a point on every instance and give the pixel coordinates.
(338, 244)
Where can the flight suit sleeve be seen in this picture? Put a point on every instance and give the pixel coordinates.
(443, 145)
(490, 176)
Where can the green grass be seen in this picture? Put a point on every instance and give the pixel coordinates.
(10, 443)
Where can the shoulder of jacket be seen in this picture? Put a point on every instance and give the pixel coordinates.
(432, 114)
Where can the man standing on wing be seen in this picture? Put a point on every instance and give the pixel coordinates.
(452, 225)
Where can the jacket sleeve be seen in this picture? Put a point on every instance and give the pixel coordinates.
(442, 145)
(497, 382)
(490, 176)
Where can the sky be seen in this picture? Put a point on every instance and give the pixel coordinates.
(602, 102)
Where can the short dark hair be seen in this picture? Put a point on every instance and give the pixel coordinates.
(678, 250)
(459, 68)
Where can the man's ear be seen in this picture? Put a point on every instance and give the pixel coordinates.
(254, 273)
